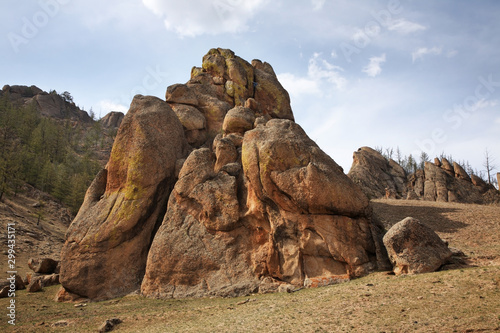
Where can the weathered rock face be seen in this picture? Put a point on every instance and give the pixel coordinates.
(264, 219)
(439, 181)
(376, 175)
(112, 119)
(225, 81)
(442, 185)
(107, 243)
(256, 203)
(415, 248)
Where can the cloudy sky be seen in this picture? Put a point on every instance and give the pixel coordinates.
(421, 75)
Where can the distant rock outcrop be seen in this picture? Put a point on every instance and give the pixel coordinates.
(112, 120)
(252, 203)
(442, 181)
(441, 184)
(376, 175)
(49, 104)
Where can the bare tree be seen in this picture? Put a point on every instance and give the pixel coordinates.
(488, 164)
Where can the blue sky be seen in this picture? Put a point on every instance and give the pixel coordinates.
(421, 75)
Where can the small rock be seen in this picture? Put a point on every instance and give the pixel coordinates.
(20, 283)
(60, 323)
(80, 305)
(43, 265)
(243, 302)
(4, 292)
(35, 285)
(109, 325)
(288, 288)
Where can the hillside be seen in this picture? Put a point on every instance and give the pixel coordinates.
(40, 223)
(463, 299)
(50, 143)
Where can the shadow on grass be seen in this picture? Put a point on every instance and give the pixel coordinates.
(433, 217)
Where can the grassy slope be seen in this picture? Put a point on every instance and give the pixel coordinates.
(459, 300)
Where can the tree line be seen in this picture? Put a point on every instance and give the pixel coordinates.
(411, 164)
(55, 156)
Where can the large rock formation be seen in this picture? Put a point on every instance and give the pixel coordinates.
(445, 185)
(255, 203)
(439, 181)
(108, 241)
(376, 175)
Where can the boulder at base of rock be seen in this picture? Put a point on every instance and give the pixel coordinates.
(35, 285)
(415, 248)
(43, 265)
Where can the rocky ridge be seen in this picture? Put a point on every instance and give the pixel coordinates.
(49, 104)
(217, 191)
(438, 181)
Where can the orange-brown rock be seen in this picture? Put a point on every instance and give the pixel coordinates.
(460, 172)
(256, 204)
(446, 166)
(376, 175)
(43, 265)
(227, 235)
(107, 243)
(439, 181)
(441, 186)
(415, 248)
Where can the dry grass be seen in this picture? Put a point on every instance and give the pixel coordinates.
(473, 229)
(447, 301)
(459, 300)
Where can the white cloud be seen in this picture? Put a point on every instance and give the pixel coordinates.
(423, 51)
(373, 68)
(299, 85)
(320, 69)
(106, 106)
(404, 26)
(318, 4)
(319, 73)
(199, 17)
